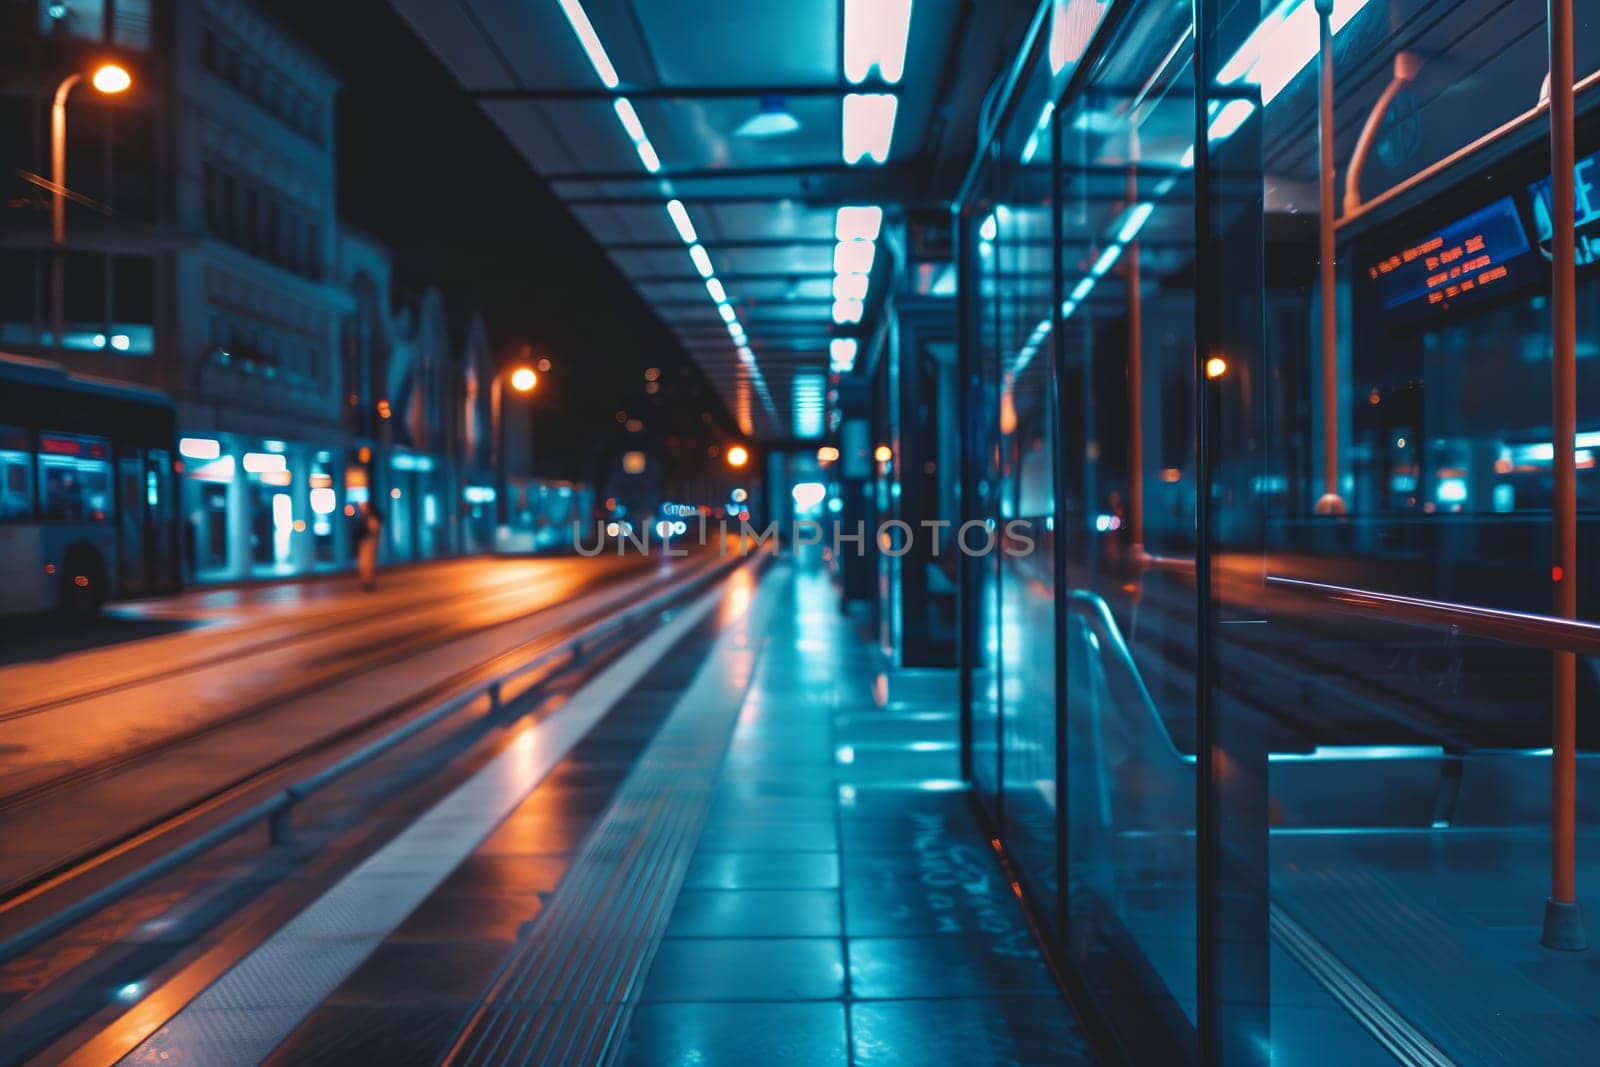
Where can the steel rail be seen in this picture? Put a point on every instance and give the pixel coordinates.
(1513, 627)
(277, 809)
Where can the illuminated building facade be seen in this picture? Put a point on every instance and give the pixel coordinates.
(204, 257)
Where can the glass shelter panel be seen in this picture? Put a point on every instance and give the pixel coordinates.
(1024, 519)
(1127, 516)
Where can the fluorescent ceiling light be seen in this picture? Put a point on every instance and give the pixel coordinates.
(850, 287)
(868, 126)
(853, 257)
(842, 353)
(807, 397)
(1072, 26)
(1040, 128)
(590, 41)
(858, 223)
(631, 123)
(680, 219)
(1229, 119)
(773, 120)
(875, 34)
(1283, 44)
(1082, 290)
(702, 261)
(1107, 260)
(846, 312)
(989, 229)
(1138, 215)
(746, 355)
(629, 118)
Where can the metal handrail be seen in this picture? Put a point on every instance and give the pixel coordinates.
(1514, 627)
(1125, 680)
(1541, 631)
(278, 809)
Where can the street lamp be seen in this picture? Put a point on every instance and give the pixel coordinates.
(522, 379)
(738, 456)
(108, 78)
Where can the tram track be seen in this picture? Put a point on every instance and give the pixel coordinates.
(333, 620)
(28, 886)
(339, 663)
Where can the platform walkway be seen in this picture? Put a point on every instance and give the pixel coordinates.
(760, 853)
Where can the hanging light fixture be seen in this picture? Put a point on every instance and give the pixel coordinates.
(773, 120)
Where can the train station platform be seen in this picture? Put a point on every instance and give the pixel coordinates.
(744, 840)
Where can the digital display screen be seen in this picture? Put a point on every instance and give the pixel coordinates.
(1586, 211)
(1476, 254)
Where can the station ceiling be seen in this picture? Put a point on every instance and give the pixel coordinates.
(627, 106)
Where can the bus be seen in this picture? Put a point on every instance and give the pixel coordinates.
(88, 502)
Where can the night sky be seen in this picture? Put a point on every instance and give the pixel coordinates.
(424, 170)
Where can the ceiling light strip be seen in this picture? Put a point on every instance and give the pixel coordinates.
(633, 126)
(1280, 47)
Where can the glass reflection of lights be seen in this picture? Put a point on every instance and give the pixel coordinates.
(199, 448)
(808, 495)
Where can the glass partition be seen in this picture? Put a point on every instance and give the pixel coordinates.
(1127, 515)
(1280, 690)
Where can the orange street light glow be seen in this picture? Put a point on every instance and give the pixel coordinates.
(111, 78)
(523, 379)
(884, 454)
(738, 456)
(1216, 367)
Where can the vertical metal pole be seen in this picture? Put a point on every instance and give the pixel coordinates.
(497, 449)
(1058, 537)
(1330, 503)
(1135, 369)
(967, 288)
(1208, 993)
(58, 209)
(1563, 919)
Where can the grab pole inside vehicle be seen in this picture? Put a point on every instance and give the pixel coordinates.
(1563, 918)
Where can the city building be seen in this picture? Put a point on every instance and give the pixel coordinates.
(203, 256)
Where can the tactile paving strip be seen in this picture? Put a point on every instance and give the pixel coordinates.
(247, 1012)
(565, 993)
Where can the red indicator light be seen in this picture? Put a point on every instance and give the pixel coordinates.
(49, 568)
(81, 581)
(1556, 574)
(59, 446)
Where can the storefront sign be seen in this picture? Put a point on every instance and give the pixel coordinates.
(1586, 213)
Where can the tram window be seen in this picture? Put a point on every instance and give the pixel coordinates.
(75, 478)
(16, 475)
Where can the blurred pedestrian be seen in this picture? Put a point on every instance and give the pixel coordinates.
(369, 525)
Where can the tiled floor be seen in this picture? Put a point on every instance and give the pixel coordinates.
(842, 906)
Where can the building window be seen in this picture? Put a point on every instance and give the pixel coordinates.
(230, 192)
(272, 244)
(208, 194)
(252, 219)
(255, 78)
